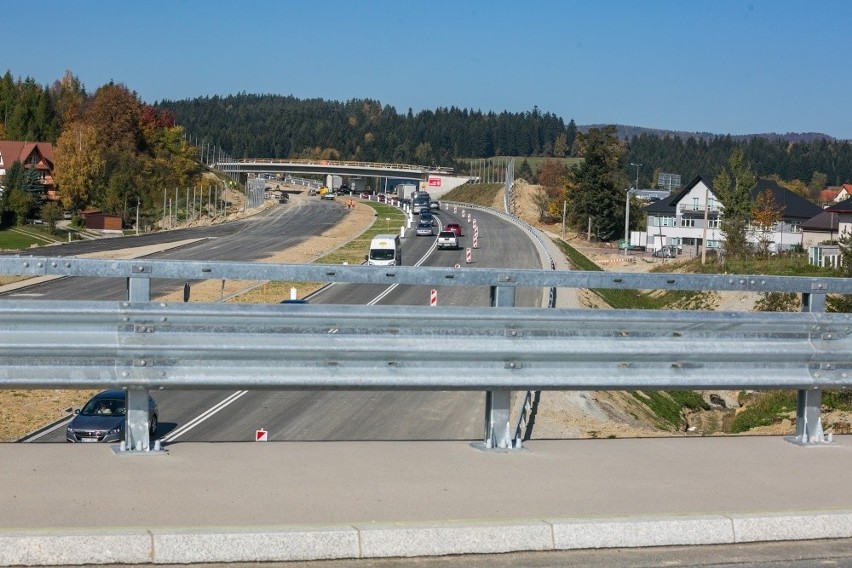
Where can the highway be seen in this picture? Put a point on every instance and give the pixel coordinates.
(379, 498)
(227, 416)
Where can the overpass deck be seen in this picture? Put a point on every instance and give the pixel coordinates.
(231, 502)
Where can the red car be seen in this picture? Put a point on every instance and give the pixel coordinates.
(381, 198)
(364, 195)
(454, 227)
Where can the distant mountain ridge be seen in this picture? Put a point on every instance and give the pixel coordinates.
(626, 132)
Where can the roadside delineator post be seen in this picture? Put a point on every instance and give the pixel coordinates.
(261, 435)
(467, 256)
(433, 297)
(475, 240)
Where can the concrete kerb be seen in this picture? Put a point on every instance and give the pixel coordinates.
(359, 541)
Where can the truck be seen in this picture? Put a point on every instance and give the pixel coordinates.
(447, 239)
(333, 181)
(404, 191)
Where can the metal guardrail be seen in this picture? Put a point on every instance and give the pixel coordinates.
(55, 344)
(140, 344)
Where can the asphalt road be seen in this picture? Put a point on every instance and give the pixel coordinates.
(228, 416)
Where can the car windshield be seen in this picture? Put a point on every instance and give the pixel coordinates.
(382, 254)
(104, 407)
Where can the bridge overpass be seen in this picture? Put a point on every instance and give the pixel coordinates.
(421, 174)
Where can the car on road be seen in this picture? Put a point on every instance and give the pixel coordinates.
(103, 418)
(424, 229)
(426, 216)
(423, 210)
(364, 195)
(433, 204)
(381, 198)
(455, 228)
(447, 239)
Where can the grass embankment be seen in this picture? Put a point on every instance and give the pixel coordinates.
(482, 194)
(24, 237)
(757, 408)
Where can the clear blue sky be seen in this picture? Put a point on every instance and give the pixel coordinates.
(719, 66)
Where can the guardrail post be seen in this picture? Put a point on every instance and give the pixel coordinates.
(809, 402)
(497, 403)
(139, 285)
(136, 428)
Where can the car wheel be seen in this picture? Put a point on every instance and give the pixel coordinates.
(153, 425)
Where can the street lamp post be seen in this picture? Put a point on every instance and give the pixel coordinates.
(627, 210)
(637, 174)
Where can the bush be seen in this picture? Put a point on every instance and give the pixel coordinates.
(767, 409)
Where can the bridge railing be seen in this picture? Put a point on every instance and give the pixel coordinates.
(339, 163)
(140, 345)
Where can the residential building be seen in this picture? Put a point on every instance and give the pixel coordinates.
(687, 218)
(37, 156)
(844, 193)
(843, 210)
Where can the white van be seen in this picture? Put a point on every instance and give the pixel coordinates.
(385, 250)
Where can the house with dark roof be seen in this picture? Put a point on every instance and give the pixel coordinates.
(36, 156)
(692, 216)
(844, 215)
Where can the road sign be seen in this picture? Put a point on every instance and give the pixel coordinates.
(261, 435)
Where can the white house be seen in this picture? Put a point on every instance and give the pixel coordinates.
(694, 214)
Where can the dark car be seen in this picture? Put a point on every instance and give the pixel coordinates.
(427, 217)
(455, 228)
(103, 418)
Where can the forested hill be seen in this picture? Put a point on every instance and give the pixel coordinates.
(274, 126)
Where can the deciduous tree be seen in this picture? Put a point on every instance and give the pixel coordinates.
(732, 187)
(765, 214)
(78, 165)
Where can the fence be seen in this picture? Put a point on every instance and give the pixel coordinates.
(142, 345)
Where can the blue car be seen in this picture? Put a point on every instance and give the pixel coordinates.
(103, 418)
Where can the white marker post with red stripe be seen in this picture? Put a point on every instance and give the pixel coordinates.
(433, 297)
(467, 256)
